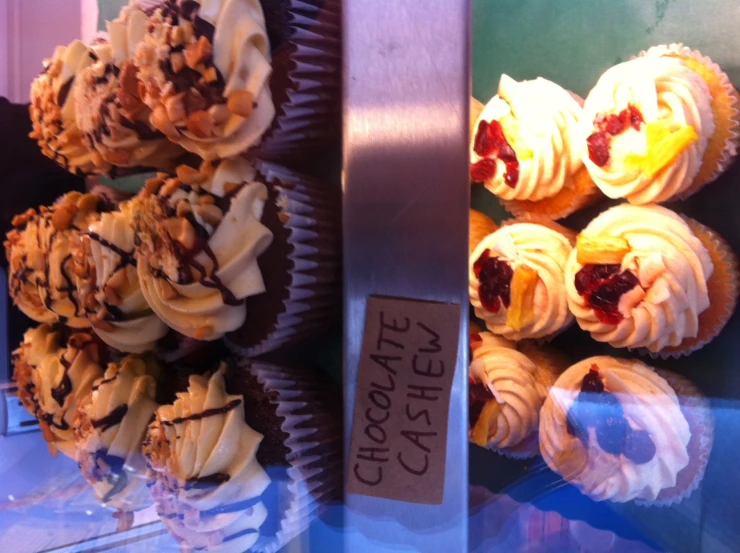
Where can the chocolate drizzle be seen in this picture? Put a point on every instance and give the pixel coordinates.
(125, 258)
(111, 419)
(233, 404)
(61, 392)
(205, 482)
(64, 91)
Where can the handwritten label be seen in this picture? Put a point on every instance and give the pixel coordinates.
(399, 431)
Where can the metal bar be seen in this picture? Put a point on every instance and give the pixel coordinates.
(406, 205)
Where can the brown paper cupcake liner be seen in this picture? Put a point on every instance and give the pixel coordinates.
(314, 441)
(301, 269)
(698, 412)
(723, 294)
(723, 145)
(305, 82)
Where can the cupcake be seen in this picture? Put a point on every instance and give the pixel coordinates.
(525, 149)
(659, 127)
(242, 463)
(508, 384)
(53, 110)
(220, 80)
(481, 225)
(618, 431)
(110, 110)
(62, 375)
(645, 277)
(109, 429)
(108, 284)
(248, 251)
(516, 280)
(40, 256)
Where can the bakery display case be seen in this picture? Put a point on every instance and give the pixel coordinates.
(323, 276)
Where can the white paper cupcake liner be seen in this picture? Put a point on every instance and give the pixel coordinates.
(311, 215)
(309, 119)
(315, 444)
(731, 147)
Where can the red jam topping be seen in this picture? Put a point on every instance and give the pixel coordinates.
(490, 143)
(494, 277)
(595, 407)
(603, 286)
(608, 126)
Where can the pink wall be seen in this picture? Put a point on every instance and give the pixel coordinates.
(29, 31)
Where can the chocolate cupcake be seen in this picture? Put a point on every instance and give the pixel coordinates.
(62, 370)
(40, 252)
(110, 110)
(226, 77)
(251, 251)
(243, 471)
(109, 429)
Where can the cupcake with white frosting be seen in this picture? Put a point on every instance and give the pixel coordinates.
(516, 279)
(229, 470)
(110, 110)
(40, 251)
(248, 251)
(508, 385)
(108, 283)
(525, 149)
(62, 370)
(620, 431)
(644, 277)
(651, 131)
(110, 429)
(221, 78)
(53, 110)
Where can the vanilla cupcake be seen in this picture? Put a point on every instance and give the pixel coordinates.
(221, 79)
(232, 471)
(110, 110)
(516, 280)
(507, 389)
(525, 149)
(645, 277)
(40, 251)
(108, 284)
(109, 429)
(53, 110)
(61, 380)
(649, 123)
(618, 431)
(251, 251)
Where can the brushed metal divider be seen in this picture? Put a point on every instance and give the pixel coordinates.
(406, 205)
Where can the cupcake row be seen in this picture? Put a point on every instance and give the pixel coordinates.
(616, 429)
(654, 129)
(216, 80)
(637, 277)
(227, 455)
(231, 248)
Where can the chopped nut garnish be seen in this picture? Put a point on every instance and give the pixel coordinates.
(87, 203)
(241, 103)
(153, 185)
(177, 36)
(188, 175)
(220, 113)
(117, 156)
(183, 208)
(188, 32)
(207, 168)
(63, 216)
(210, 75)
(206, 199)
(161, 121)
(181, 230)
(229, 187)
(71, 198)
(601, 250)
(111, 296)
(166, 289)
(197, 52)
(203, 332)
(170, 187)
(211, 214)
(176, 108)
(200, 123)
(177, 61)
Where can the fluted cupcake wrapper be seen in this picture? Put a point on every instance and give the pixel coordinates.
(698, 412)
(729, 109)
(723, 287)
(308, 64)
(310, 217)
(314, 440)
(526, 449)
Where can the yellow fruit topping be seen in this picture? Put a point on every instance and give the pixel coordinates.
(602, 250)
(665, 142)
(512, 131)
(521, 309)
(482, 427)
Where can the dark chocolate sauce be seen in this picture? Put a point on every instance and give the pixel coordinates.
(204, 482)
(61, 392)
(233, 404)
(111, 419)
(64, 91)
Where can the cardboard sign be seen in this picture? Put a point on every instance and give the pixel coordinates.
(399, 430)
